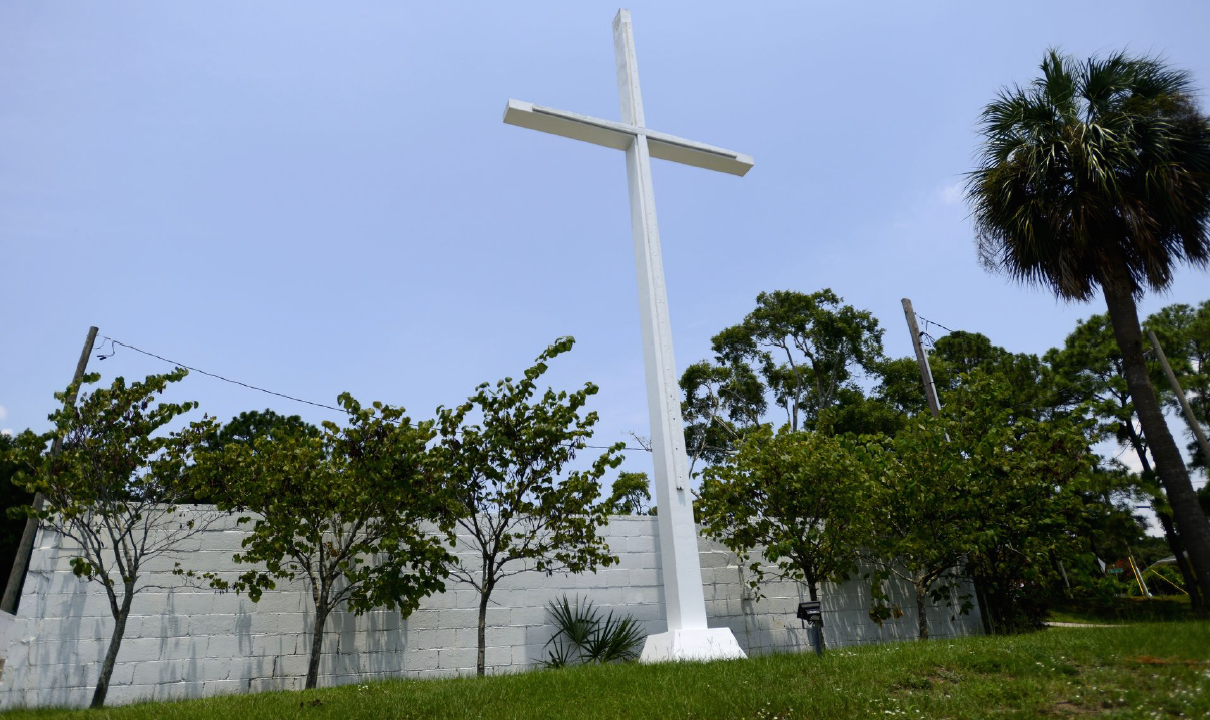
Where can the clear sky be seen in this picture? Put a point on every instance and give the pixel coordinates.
(317, 197)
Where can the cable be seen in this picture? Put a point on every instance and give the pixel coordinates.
(930, 322)
(114, 342)
(220, 377)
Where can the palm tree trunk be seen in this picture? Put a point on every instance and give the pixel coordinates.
(1174, 541)
(1190, 520)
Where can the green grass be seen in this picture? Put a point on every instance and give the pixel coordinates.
(1119, 610)
(1139, 671)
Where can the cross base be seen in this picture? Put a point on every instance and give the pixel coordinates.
(695, 644)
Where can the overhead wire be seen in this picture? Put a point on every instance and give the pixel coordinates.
(114, 342)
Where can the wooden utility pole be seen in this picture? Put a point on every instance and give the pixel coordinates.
(12, 591)
(926, 373)
(1180, 396)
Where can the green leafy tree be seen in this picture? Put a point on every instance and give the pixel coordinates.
(506, 464)
(722, 404)
(350, 512)
(630, 495)
(12, 497)
(796, 351)
(1090, 380)
(796, 498)
(113, 489)
(248, 426)
(1097, 175)
(1184, 334)
(917, 516)
(1036, 502)
(900, 388)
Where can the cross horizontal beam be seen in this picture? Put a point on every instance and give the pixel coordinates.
(618, 136)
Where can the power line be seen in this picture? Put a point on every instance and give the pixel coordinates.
(112, 351)
(216, 376)
(931, 322)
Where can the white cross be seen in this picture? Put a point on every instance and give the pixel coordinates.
(688, 636)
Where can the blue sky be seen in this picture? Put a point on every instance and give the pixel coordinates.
(319, 197)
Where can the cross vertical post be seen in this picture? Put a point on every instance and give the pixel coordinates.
(688, 636)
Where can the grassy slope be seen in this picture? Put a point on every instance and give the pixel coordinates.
(1140, 671)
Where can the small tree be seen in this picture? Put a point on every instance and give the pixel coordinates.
(917, 515)
(517, 516)
(630, 495)
(795, 497)
(113, 489)
(345, 512)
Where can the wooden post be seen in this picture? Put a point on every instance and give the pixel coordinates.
(1180, 396)
(926, 373)
(16, 578)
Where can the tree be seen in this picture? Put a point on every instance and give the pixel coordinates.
(800, 350)
(114, 489)
(248, 426)
(722, 404)
(515, 512)
(348, 511)
(1037, 503)
(917, 515)
(1090, 380)
(14, 497)
(1184, 333)
(631, 495)
(1098, 175)
(797, 497)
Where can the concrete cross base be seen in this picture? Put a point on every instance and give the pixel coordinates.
(697, 644)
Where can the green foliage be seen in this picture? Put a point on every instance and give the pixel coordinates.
(1036, 499)
(505, 467)
(582, 636)
(248, 426)
(358, 513)
(722, 404)
(1094, 165)
(631, 495)
(1164, 580)
(1184, 334)
(796, 498)
(1097, 176)
(917, 515)
(12, 498)
(803, 347)
(113, 488)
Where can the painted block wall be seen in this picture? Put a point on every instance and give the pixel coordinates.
(183, 641)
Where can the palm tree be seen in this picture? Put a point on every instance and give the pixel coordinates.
(1098, 175)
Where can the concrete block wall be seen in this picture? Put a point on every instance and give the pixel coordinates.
(187, 641)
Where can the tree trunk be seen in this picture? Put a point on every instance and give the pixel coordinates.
(1170, 534)
(812, 590)
(1190, 520)
(922, 619)
(1182, 563)
(115, 642)
(480, 664)
(317, 641)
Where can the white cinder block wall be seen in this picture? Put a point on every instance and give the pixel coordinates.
(184, 641)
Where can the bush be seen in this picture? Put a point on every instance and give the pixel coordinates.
(583, 636)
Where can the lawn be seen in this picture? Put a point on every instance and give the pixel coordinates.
(1122, 610)
(1136, 671)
